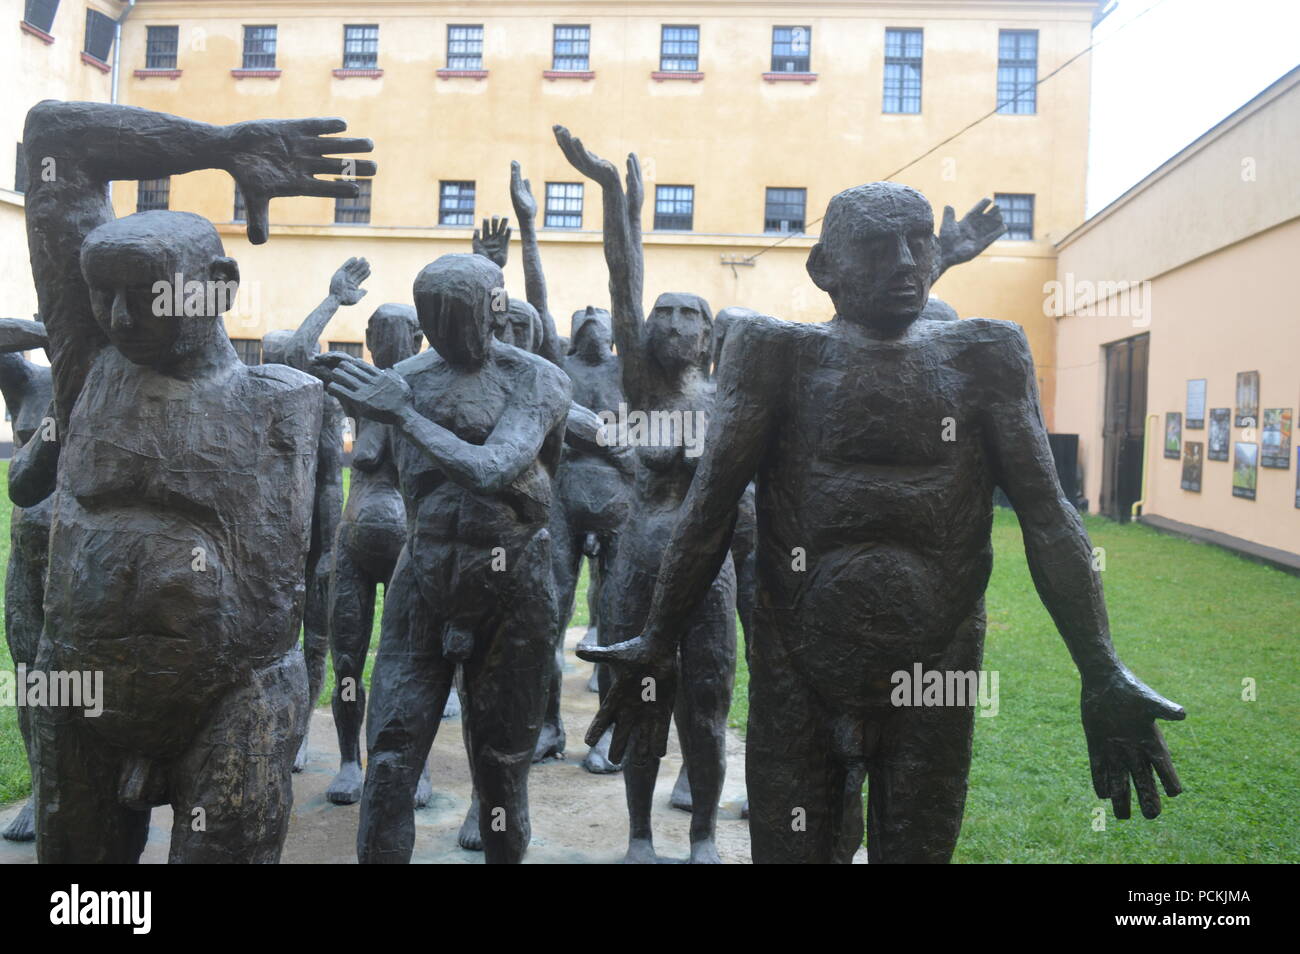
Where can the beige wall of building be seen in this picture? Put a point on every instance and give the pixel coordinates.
(1216, 233)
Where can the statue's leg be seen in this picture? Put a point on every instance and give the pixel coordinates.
(469, 837)
(917, 780)
(24, 617)
(566, 557)
(352, 617)
(408, 690)
(315, 637)
(505, 701)
(232, 790)
(708, 670)
(595, 576)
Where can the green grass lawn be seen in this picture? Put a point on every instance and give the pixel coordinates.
(1191, 620)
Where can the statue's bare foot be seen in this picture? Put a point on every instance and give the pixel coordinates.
(597, 761)
(640, 851)
(470, 838)
(300, 760)
(23, 827)
(451, 708)
(550, 744)
(346, 787)
(705, 852)
(681, 797)
(423, 789)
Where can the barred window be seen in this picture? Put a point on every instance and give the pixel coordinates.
(785, 210)
(99, 35)
(361, 47)
(563, 205)
(675, 207)
(1017, 213)
(572, 48)
(465, 47)
(153, 194)
(40, 14)
(259, 47)
(679, 49)
(248, 349)
(791, 49)
(902, 71)
(1017, 71)
(20, 170)
(160, 47)
(355, 211)
(455, 203)
(353, 348)
(240, 214)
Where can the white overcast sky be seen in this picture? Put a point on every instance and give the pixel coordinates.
(1172, 73)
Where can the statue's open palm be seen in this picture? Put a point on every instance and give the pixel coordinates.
(639, 704)
(379, 395)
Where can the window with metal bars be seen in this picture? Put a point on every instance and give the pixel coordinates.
(572, 48)
(40, 14)
(248, 349)
(99, 35)
(784, 211)
(791, 49)
(354, 211)
(259, 47)
(353, 348)
(675, 207)
(160, 47)
(455, 203)
(679, 49)
(465, 47)
(361, 47)
(153, 195)
(1018, 214)
(20, 170)
(563, 205)
(240, 213)
(1018, 71)
(903, 71)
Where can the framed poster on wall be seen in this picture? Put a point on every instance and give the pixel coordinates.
(1174, 434)
(1193, 458)
(1245, 469)
(1195, 419)
(1220, 433)
(1275, 438)
(1247, 399)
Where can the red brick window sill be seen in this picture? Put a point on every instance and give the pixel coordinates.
(463, 74)
(255, 74)
(160, 74)
(96, 62)
(371, 74)
(790, 77)
(569, 74)
(36, 32)
(660, 75)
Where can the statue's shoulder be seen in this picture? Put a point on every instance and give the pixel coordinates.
(998, 346)
(281, 385)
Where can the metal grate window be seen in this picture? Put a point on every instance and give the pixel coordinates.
(572, 48)
(240, 214)
(1017, 71)
(903, 71)
(361, 47)
(259, 47)
(679, 49)
(40, 14)
(563, 205)
(791, 49)
(465, 47)
(353, 348)
(355, 211)
(675, 207)
(248, 349)
(160, 47)
(456, 203)
(153, 194)
(99, 35)
(20, 170)
(1018, 214)
(785, 210)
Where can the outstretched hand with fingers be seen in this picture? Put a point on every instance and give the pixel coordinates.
(521, 195)
(639, 704)
(346, 283)
(979, 228)
(588, 163)
(493, 240)
(379, 395)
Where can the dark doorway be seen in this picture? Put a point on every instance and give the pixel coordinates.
(1124, 427)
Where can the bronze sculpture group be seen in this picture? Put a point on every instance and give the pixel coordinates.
(182, 520)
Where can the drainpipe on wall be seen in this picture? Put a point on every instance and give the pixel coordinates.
(1146, 458)
(117, 63)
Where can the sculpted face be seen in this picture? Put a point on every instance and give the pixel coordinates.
(877, 254)
(453, 299)
(520, 326)
(591, 335)
(393, 334)
(680, 328)
(159, 284)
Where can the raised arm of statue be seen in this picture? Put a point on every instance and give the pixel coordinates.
(521, 196)
(345, 289)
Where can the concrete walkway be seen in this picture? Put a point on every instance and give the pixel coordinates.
(577, 817)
